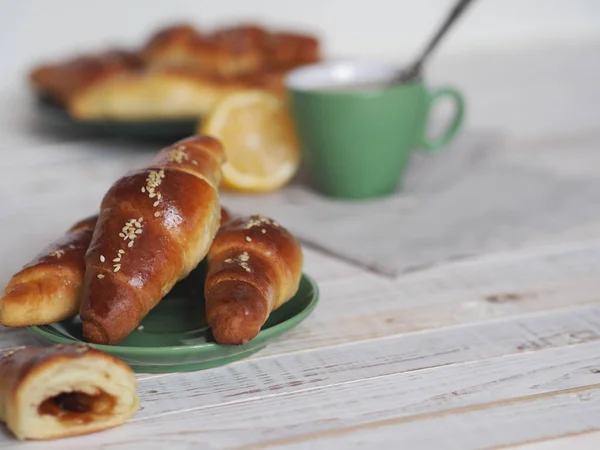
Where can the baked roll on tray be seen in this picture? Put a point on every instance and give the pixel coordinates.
(155, 225)
(48, 288)
(229, 52)
(160, 93)
(180, 73)
(65, 390)
(60, 80)
(254, 267)
(164, 93)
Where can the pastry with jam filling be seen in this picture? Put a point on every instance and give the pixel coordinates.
(65, 390)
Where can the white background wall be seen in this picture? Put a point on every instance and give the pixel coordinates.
(31, 30)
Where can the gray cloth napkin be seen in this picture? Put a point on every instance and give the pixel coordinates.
(470, 198)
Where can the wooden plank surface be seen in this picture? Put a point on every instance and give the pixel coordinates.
(504, 326)
(586, 440)
(488, 426)
(265, 413)
(499, 351)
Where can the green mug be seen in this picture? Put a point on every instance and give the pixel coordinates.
(357, 130)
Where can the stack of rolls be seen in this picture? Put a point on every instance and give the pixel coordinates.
(180, 72)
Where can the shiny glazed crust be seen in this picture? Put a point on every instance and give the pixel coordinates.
(254, 266)
(155, 225)
(48, 289)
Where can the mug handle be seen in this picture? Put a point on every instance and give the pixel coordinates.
(432, 145)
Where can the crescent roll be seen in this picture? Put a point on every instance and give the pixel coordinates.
(48, 289)
(155, 225)
(254, 267)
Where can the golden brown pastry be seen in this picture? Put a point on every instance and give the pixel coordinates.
(254, 266)
(169, 46)
(155, 225)
(179, 73)
(235, 51)
(289, 50)
(60, 80)
(65, 390)
(162, 93)
(231, 52)
(48, 288)
(272, 80)
(244, 35)
(226, 53)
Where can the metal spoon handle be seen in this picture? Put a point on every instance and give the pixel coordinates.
(456, 12)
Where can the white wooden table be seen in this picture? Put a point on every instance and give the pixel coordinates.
(502, 350)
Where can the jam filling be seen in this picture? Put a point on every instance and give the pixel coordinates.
(78, 407)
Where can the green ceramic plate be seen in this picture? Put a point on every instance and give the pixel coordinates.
(174, 336)
(168, 130)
